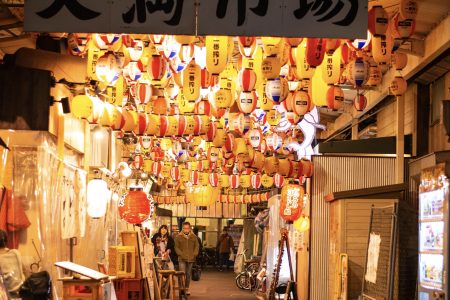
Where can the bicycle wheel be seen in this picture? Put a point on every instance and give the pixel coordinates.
(253, 268)
(243, 281)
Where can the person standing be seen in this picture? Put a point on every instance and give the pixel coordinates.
(164, 247)
(186, 247)
(225, 246)
(11, 267)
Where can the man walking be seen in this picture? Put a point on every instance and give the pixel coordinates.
(225, 246)
(186, 247)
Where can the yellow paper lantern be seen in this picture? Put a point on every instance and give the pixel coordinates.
(263, 101)
(331, 67)
(184, 39)
(302, 224)
(224, 180)
(216, 53)
(266, 181)
(271, 67)
(185, 105)
(244, 181)
(319, 88)
(271, 45)
(82, 106)
(304, 70)
(382, 48)
(191, 81)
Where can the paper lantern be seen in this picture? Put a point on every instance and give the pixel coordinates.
(254, 137)
(191, 81)
(222, 98)
(277, 90)
(76, 44)
(229, 142)
(331, 45)
(375, 76)
(141, 125)
(106, 41)
(220, 138)
(237, 123)
(247, 45)
(291, 205)
(399, 60)
(358, 71)
(244, 181)
(247, 102)
(378, 20)
(240, 147)
(97, 198)
(255, 181)
(157, 67)
(131, 119)
(134, 207)
(216, 53)
(224, 180)
(213, 179)
(156, 168)
(160, 105)
(301, 103)
(335, 97)
(273, 117)
(133, 49)
(143, 92)
(360, 102)
(398, 86)
(184, 39)
(318, 88)
(108, 68)
(304, 70)
(194, 177)
(360, 44)
(82, 106)
(247, 80)
(278, 180)
(234, 181)
(270, 67)
(403, 28)
(382, 48)
(408, 9)
(294, 42)
(266, 181)
(302, 224)
(315, 51)
(186, 53)
(205, 79)
(332, 67)
(263, 101)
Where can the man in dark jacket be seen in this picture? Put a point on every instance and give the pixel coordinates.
(186, 246)
(225, 246)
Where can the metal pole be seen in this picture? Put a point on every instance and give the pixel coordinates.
(400, 140)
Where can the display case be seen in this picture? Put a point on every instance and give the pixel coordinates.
(433, 232)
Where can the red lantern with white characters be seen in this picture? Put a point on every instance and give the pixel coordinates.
(234, 181)
(254, 137)
(291, 202)
(213, 179)
(375, 75)
(247, 80)
(142, 123)
(278, 180)
(194, 177)
(135, 206)
(398, 86)
(143, 92)
(408, 9)
(247, 102)
(301, 103)
(403, 28)
(175, 173)
(358, 71)
(315, 51)
(360, 102)
(277, 90)
(378, 20)
(399, 60)
(335, 97)
(157, 67)
(331, 45)
(255, 180)
(156, 168)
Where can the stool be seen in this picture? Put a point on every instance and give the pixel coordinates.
(169, 275)
(181, 287)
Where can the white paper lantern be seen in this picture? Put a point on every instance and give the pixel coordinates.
(97, 198)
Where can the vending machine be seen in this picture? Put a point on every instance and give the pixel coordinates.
(433, 234)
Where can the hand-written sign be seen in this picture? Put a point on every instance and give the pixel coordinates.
(303, 18)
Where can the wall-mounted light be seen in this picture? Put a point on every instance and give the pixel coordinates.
(64, 102)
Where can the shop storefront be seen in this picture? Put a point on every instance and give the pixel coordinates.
(229, 150)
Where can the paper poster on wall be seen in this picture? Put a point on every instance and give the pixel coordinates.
(373, 253)
(66, 195)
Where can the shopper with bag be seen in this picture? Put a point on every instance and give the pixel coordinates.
(164, 247)
(186, 246)
(225, 247)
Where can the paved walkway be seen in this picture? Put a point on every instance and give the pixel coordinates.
(218, 286)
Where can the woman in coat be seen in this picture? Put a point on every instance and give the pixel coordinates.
(164, 246)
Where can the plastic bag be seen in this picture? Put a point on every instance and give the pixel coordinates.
(232, 256)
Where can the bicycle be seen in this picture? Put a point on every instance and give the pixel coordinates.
(246, 280)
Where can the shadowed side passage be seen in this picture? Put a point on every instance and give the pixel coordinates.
(218, 286)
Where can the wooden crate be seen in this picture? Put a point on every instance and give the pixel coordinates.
(122, 261)
(131, 238)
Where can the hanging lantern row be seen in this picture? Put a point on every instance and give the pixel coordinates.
(206, 197)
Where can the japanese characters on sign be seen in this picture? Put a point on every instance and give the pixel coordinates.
(290, 18)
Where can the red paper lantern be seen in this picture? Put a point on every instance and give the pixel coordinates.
(175, 173)
(291, 205)
(247, 80)
(360, 102)
(335, 97)
(278, 180)
(143, 92)
(213, 179)
(194, 177)
(315, 51)
(146, 142)
(134, 207)
(156, 168)
(234, 181)
(301, 103)
(403, 28)
(399, 60)
(203, 108)
(256, 181)
(141, 125)
(331, 45)
(157, 67)
(205, 79)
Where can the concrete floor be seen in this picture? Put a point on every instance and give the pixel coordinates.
(218, 286)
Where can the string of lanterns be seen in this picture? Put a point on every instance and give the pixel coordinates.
(215, 115)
